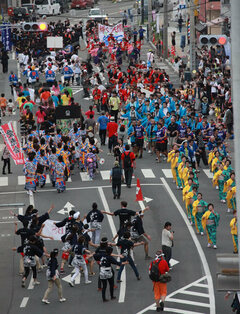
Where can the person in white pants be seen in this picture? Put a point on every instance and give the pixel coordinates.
(78, 261)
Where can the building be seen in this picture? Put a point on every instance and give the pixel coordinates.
(210, 13)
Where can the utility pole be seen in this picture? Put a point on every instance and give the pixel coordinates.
(165, 29)
(150, 19)
(142, 12)
(192, 38)
(235, 72)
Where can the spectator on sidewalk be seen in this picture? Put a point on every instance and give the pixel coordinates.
(6, 160)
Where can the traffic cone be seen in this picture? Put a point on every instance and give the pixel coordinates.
(139, 196)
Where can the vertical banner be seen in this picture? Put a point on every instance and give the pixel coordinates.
(104, 31)
(6, 36)
(12, 143)
(158, 23)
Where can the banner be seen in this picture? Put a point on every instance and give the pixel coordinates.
(6, 36)
(104, 31)
(50, 230)
(12, 143)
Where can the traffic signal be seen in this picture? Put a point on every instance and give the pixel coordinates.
(212, 40)
(34, 27)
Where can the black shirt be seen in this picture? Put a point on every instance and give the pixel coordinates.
(52, 266)
(94, 215)
(106, 260)
(25, 233)
(124, 215)
(138, 225)
(172, 128)
(125, 246)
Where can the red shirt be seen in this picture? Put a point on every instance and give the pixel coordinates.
(87, 113)
(162, 266)
(40, 116)
(112, 128)
(132, 156)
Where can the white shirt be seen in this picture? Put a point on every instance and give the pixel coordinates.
(166, 234)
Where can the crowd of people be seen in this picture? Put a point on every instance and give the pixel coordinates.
(140, 112)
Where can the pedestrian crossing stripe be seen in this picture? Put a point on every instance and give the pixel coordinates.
(104, 175)
(188, 290)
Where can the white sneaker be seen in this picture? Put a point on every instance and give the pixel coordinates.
(215, 247)
(202, 233)
(209, 245)
(149, 152)
(71, 284)
(87, 282)
(217, 187)
(45, 301)
(224, 201)
(36, 283)
(229, 210)
(62, 300)
(30, 193)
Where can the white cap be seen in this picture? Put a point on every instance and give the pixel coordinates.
(76, 215)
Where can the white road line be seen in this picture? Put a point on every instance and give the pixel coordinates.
(18, 71)
(198, 246)
(114, 232)
(21, 180)
(3, 181)
(31, 286)
(189, 302)
(201, 285)
(208, 173)
(148, 173)
(20, 211)
(105, 174)
(198, 294)
(167, 173)
(24, 302)
(84, 176)
(179, 311)
(79, 188)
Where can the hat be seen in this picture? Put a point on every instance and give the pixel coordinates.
(159, 253)
(112, 118)
(76, 215)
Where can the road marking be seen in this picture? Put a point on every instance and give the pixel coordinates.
(208, 173)
(148, 173)
(173, 262)
(3, 181)
(78, 188)
(84, 176)
(20, 211)
(122, 291)
(189, 302)
(31, 285)
(68, 279)
(201, 285)
(179, 311)
(66, 209)
(198, 246)
(24, 302)
(14, 123)
(105, 174)
(199, 294)
(167, 173)
(21, 180)
(147, 199)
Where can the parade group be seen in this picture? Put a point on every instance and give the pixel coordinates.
(137, 106)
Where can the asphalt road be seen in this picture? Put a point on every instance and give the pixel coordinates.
(190, 289)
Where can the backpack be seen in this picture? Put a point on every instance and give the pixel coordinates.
(154, 272)
(127, 161)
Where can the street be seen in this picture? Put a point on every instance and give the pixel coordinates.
(193, 286)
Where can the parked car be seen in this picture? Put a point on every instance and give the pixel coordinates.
(97, 14)
(82, 4)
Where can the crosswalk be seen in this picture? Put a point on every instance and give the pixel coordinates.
(104, 175)
(191, 299)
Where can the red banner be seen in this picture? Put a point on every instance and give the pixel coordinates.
(12, 143)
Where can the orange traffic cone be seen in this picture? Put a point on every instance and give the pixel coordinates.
(139, 196)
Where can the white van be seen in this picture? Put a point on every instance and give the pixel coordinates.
(47, 7)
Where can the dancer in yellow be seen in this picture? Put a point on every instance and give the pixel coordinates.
(230, 189)
(234, 232)
(199, 208)
(210, 221)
